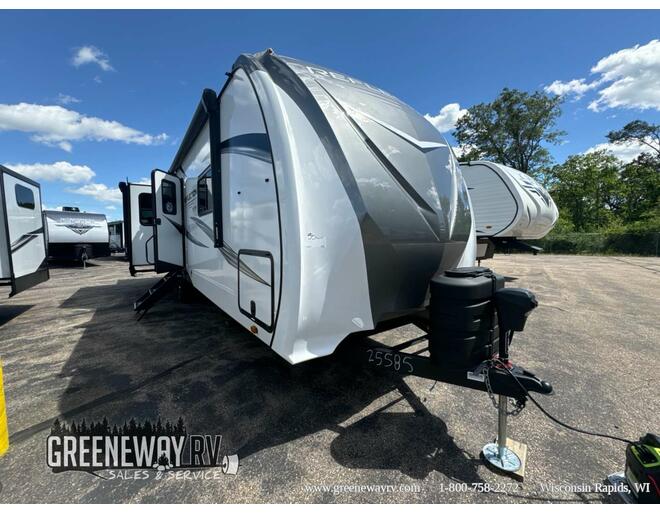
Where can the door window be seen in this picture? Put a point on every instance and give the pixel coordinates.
(145, 205)
(169, 197)
(204, 194)
(24, 197)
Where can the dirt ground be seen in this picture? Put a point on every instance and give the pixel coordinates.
(328, 431)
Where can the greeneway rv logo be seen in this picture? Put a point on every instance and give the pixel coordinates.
(137, 450)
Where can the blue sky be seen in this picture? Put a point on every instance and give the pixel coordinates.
(88, 98)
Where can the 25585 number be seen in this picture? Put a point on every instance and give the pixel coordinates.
(392, 360)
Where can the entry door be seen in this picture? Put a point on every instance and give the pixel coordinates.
(139, 226)
(168, 225)
(24, 248)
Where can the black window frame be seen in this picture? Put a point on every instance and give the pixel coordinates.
(204, 177)
(21, 202)
(151, 206)
(171, 196)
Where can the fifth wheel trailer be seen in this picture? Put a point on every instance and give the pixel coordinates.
(316, 209)
(75, 235)
(23, 258)
(508, 205)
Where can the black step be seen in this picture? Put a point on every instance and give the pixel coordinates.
(156, 292)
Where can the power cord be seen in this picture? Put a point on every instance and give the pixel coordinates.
(559, 422)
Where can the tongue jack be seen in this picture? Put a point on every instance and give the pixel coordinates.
(513, 305)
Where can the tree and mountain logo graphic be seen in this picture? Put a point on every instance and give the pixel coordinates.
(160, 446)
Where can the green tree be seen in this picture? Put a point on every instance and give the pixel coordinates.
(640, 132)
(587, 189)
(512, 129)
(640, 189)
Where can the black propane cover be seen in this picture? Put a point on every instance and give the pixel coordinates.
(463, 321)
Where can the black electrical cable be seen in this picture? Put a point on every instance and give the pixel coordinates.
(559, 422)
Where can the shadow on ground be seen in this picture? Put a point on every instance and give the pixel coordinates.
(191, 360)
(9, 312)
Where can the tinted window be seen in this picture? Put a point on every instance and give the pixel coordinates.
(146, 209)
(24, 197)
(169, 197)
(204, 195)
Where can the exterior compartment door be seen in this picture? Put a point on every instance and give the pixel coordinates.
(167, 193)
(256, 273)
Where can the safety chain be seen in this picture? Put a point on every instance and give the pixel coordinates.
(518, 405)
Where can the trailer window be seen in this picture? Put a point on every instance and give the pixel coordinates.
(204, 195)
(169, 197)
(145, 204)
(24, 197)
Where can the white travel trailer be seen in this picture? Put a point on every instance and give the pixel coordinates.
(75, 235)
(23, 260)
(116, 230)
(138, 226)
(310, 206)
(508, 205)
(307, 205)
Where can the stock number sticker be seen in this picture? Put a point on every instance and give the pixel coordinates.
(387, 359)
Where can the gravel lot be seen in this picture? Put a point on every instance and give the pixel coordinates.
(72, 348)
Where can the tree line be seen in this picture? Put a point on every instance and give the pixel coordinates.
(130, 428)
(594, 192)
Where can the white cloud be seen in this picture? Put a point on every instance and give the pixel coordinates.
(144, 180)
(633, 75)
(577, 88)
(446, 119)
(100, 192)
(626, 79)
(57, 126)
(91, 55)
(66, 146)
(625, 152)
(67, 99)
(111, 207)
(61, 171)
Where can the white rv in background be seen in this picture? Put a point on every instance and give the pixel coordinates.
(23, 259)
(75, 235)
(508, 205)
(116, 230)
(138, 226)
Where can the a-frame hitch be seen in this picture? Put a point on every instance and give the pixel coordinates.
(469, 324)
